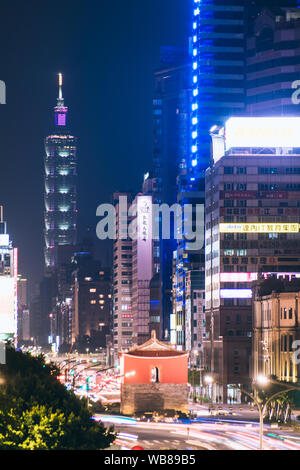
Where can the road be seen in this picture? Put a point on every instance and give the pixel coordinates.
(207, 435)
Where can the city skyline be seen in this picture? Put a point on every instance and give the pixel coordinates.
(95, 115)
(150, 262)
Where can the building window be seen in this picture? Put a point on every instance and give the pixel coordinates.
(228, 170)
(155, 375)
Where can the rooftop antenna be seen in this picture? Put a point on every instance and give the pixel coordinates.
(60, 81)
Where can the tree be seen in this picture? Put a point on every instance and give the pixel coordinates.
(279, 408)
(37, 412)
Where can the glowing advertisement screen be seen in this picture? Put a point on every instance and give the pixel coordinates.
(259, 228)
(144, 239)
(7, 305)
(262, 132)
(238, 277)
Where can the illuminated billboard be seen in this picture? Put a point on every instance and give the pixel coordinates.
(144, 237)
(262, 132)
(235, 293)
(259, 228)
(7, 306)
(238, 277)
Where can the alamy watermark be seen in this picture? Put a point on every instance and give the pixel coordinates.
(147, 221)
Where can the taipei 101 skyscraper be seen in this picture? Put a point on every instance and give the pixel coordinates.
(60, 185)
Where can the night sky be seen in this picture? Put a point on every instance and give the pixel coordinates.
(107, 51)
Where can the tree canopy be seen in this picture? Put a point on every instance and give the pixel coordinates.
(38, 413)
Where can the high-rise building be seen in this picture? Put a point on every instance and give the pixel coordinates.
(8, 284)
(252, 227)
(186, 260)
(122, 277)
(218, 46)
(276, 327)
(216, 92)
(23, 310)
(60, 185)
(142, 270)
(133, 271)
(224, 79)
(171, 134)
(92, 300)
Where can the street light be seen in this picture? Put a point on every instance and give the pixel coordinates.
(263, 381)
(208, 379)
(130, 374)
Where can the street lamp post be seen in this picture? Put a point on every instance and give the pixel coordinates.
(261, 406)
(208, 379)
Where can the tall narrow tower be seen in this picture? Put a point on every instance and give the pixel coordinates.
(60, 185)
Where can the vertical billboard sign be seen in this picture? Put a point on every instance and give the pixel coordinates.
(144, 237)
(7, 307)
(15, 273)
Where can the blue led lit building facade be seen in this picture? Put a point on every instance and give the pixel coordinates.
(220, 31)
(225, 81)
(217, 91)
(171, 143)
(218, 45)
(60, 185)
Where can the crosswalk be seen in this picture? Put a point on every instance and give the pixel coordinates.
(163, 444)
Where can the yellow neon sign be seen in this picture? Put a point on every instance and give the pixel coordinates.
(259, 228)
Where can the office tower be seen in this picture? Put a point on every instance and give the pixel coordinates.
(60, 185)
(276, 327)
(62, 310)
(172, 83)
(218, 91)
(188, 263)
(142, 270)
(8, 284)
(23, 310)
(220, 29)
(171, 124)
(273, 64)
(195, 316)
(252, 228)
(218, 46)
(132, 271)
(217, 50)
(122, 276)
(92, 301)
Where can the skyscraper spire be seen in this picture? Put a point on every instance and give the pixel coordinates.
(60, 97)
(60, 110)
(60, 184)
